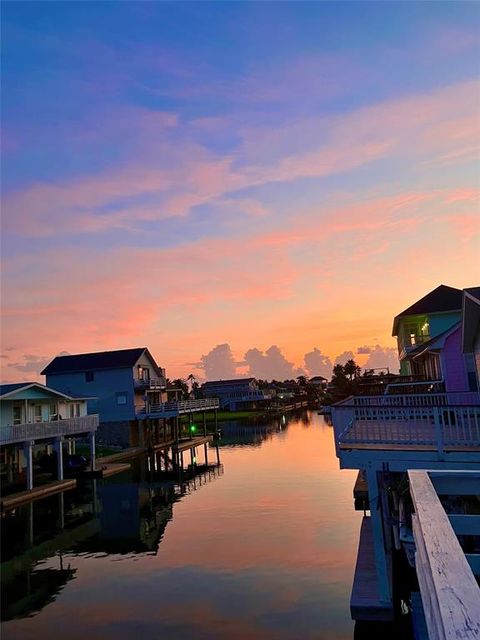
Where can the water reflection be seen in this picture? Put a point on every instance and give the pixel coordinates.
(264, 549)
(122, 517)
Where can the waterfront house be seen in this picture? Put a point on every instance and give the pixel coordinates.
(33, 419)
(429, 336)
(416, 452)
(237, 394)
(123, 383)
(130, 392)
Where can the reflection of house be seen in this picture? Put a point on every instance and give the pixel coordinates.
(122, 382)
(429, 336)
(33, 417)
(237, 394)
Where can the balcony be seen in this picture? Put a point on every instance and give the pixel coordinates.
(438, 421)
(151, 383)
(172, 409)
(45, 430)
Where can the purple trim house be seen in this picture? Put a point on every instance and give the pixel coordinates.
(443, 358)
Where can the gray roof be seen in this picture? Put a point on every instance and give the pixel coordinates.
(120, 359)
(440, 300)
(7, 389)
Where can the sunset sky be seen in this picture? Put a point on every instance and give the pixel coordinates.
(186, 175)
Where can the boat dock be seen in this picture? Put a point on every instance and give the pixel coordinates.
(37, 493)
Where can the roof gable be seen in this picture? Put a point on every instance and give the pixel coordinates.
(441, 300)
(436, 343)
(120, 359)
(9, 391)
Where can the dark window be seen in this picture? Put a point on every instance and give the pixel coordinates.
(89, 376)
(472, 381)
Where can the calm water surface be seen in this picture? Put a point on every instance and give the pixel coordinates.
(263, 549)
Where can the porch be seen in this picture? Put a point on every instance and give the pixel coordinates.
(440, 422)
(175, 409)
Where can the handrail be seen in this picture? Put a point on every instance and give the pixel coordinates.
(459, 398)
(182, 406)
(450, 593)
(43, 430)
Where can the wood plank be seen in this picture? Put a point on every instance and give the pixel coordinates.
(192, 443)
(365, 601)
(23, 497)
(450, 593)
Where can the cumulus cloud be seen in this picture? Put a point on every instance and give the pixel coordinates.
(318, 364)
(364, 350)
(270, 365)
(343, 357)
(31, 363)
(382, 358)
(218, 363)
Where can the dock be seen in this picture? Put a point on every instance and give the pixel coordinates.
(185, 445)
(365, 603)
(106, 470)
(360, 493)
(43, 491)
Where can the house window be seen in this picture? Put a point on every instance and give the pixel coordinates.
(53, 410)
(143, 373)
(89, 377)
(122, 397)
(17, 415)
(37, 413)
(75, 410)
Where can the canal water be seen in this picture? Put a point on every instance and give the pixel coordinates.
(262, 547)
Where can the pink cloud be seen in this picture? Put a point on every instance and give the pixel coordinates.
(438, 127)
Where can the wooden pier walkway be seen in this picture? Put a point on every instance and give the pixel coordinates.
(365, 601)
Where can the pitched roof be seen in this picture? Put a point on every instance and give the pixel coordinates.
(121, 359)
(232, 381)
(434, 344)
(473, 292)
(440, 300)
(9, 389)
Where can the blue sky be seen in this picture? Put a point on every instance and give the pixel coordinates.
(222, 145)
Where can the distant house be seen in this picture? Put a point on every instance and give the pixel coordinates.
(122, 381)
(319, 381)
(34, 417)
(429, 336)
(237, 394)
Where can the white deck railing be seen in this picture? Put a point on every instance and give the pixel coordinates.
(185, 406)
(151, 383)
(45, 430)
(429, 419)
(450, 593)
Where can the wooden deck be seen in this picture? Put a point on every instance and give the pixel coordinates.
(185, 445)
(23, 497)
(406, 434)
(365, 601)
(106, 470)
